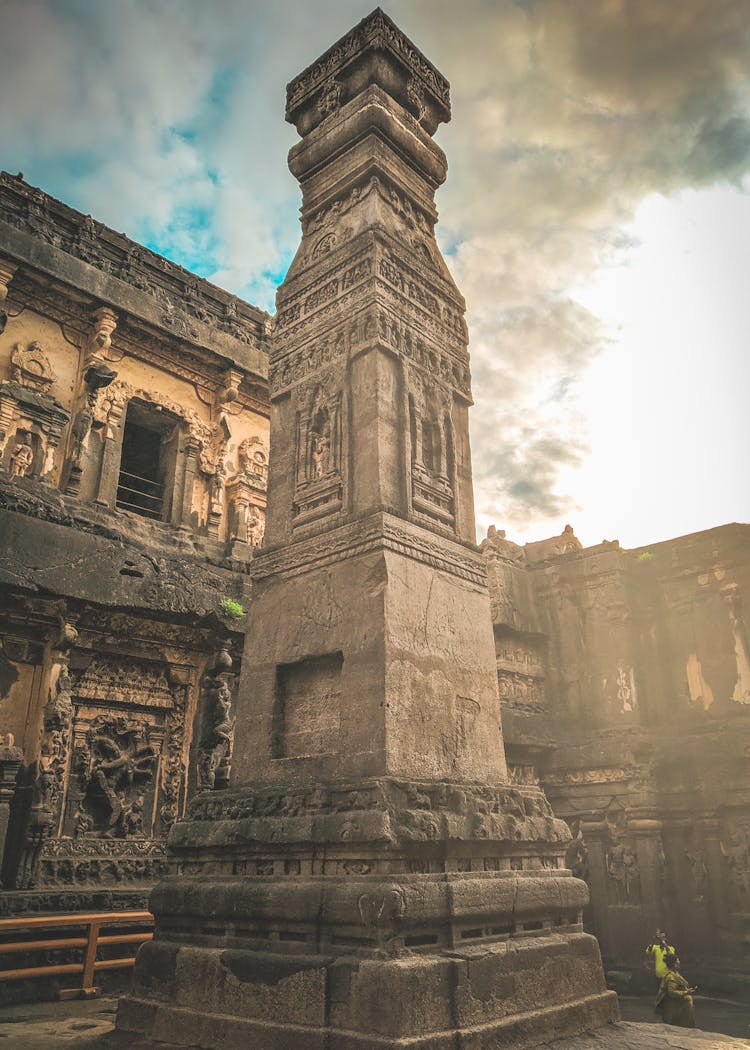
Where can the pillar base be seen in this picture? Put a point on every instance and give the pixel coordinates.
(519, 993)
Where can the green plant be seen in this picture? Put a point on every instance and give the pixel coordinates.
(646, 556)
(231, 609)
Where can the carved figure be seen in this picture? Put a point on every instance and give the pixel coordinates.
(737, 857)
(252, 459)
(622, 868)
(217, 732)
(83, 822)
(132, 818)
(577, 857)
(699, 872)
(79, 432)
(255, 524)
(121, 756)
(21, 458)
(321, 453)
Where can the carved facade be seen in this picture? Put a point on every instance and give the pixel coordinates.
(624, 679)
(133, 472)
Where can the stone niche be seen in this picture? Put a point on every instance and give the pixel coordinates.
(309, 706)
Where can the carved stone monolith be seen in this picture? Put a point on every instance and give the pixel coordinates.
(370, 879)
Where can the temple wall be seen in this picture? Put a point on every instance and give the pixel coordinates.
(133, 471)
(624, 686)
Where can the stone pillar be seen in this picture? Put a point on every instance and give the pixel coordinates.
(110, 472)
(718, 891)
(10, 762)
(645, 833)
(192, 449)
(596, 835)
(370, 843)
(7, 272)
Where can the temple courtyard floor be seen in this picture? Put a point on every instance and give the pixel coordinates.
(81, 1025)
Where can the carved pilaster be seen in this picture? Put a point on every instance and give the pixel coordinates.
(596, 834)
(109, 475)
(192, 449)
(7, 272)
(646, 837)
(10, 762)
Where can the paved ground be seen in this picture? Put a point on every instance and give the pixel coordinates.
(712, 1014)
(47, 1026)
(77, 1025)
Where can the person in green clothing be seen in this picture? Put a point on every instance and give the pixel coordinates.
(658, 948)
(674, 1000)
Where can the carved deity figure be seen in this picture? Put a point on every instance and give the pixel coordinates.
(217, 734)
(321, 453)
(252, 459)
(737, 857)
(21, 458)
(622, 868)
(122, 756)
(255, 524)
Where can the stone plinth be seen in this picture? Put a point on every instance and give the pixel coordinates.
(370, 879)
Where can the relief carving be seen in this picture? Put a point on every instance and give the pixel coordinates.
(624, 873)
(114, 766)
(319, 483)
(736, 853)
(217, 726)
(432, 444)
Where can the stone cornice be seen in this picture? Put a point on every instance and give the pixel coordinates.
(43, 233)
(379, 532)
(375, 33)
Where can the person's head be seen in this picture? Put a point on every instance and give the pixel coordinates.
(661, 937)
(671, 961)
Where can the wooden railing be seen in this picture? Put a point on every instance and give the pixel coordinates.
(90, 941)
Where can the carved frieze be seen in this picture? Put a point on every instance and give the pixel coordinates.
(400, 811)
(123, 680)
(181, 294)
(374, 533)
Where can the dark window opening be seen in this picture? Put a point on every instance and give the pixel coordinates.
(140, 486)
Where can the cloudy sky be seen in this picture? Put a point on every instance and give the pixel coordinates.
(596, 214)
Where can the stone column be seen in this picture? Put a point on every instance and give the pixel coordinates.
(369, 841)
(596, 835)
(7, 272)
(110, 472)
(719, 892)
(646, 836)
(10, 762)
(192, 449)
